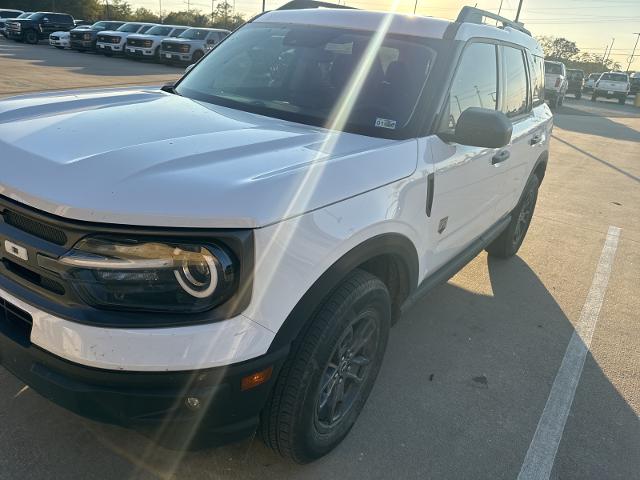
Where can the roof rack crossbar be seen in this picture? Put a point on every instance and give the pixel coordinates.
(476, 15)
(307, 4)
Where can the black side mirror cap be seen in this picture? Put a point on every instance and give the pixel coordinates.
(483, 127)
(168, 87)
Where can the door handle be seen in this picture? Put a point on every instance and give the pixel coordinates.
(500, 157)
(537, 138)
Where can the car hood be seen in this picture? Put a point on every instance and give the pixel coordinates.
(146, 157)
(144, 36)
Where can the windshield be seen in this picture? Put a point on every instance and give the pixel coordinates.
(615, 77)
(160, 30)
(129, 27)
(594, 76)
(553, 68)
(309, 74)
(25, 15)
(101, 26)
(194, 34)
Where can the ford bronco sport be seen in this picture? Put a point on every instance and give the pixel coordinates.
(239, 266)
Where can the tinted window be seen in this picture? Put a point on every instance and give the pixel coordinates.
(615, 77)
(8, 14)
(144, 28)
(195, 34)
(537, 79)
(129, 27)
(475, 83)
(304, 73)
(554, 68)
(515, 89)
(56, 17)
(177, 32)
(158, 30)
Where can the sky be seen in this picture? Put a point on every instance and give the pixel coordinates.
(592, 24)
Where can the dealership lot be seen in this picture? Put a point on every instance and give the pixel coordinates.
(468, 369)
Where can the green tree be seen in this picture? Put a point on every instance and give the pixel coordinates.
(145, 15)
(558, 48)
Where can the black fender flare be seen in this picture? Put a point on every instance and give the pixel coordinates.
(394, 244)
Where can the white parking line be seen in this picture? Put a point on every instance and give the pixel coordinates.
(543, 448)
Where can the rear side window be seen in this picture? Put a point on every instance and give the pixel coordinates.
(515, 89)
(615, 77)
(475, 83)
(537, 79)
(56, 17)
(177, 32)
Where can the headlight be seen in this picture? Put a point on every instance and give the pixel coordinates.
(148, 43)
(184, 48)
(147, 275)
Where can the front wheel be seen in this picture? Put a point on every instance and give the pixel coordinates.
(508, 242)
(197, 55)
(30, 36)
(622, 100)
(331, 369)
(578, 96)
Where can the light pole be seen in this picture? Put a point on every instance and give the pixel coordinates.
(604, 62)
(415, 7)
(633, 52)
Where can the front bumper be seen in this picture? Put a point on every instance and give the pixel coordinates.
(59, 43)
(610, 94)
(139, 52)
(170, 56)
(83, 44)
(14, 34)
(146, 401)
(110, 47)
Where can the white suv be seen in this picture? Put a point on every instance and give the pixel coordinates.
(233, 253)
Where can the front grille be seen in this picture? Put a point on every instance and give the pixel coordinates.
(77, 36)
(33, 277)
(135, 42)
(53, 37)
(15, 322)
(171, 47)
(34, 227)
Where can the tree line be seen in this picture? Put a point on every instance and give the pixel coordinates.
(222, 16)
(562, 50)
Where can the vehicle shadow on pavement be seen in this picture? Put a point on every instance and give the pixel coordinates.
(465, 379)
(580, 121)
(597, 159)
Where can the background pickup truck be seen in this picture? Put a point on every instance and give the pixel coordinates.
(39, 26)
(555, 83)
(612, 85)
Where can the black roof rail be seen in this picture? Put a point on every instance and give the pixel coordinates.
(476, 15)
(306, 4)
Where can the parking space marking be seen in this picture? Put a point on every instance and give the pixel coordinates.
(543, 448)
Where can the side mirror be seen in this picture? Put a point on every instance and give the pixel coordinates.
(482, 127)
(189, 68)
(168, 87)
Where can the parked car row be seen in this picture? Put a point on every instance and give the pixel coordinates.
(166, 43)
(559, 81)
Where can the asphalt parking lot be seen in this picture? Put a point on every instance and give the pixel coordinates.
(469, 370)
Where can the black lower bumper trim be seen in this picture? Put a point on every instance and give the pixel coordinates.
(150, 402)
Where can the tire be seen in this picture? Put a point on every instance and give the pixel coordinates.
(622, 100)
(561, 101)
(298, 421)
(509, 241)
(31, 37)
(197, 55)
(578, 96)
(593, 97)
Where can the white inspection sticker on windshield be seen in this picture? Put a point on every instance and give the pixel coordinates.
(385, 123)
